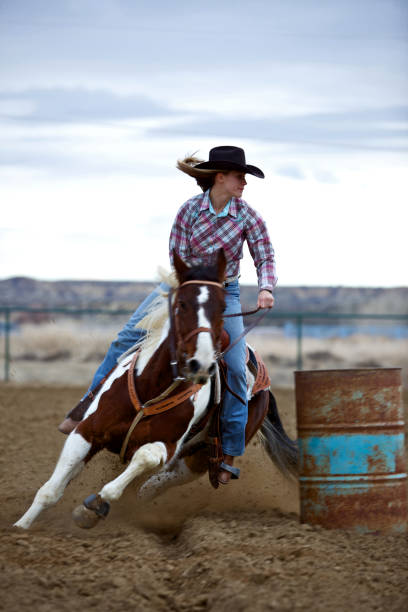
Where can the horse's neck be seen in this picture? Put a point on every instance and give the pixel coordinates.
(156, 376)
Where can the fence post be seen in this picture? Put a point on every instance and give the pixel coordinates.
(7, 344)
(299, 320)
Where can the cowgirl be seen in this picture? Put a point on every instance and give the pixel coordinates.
(217, 218)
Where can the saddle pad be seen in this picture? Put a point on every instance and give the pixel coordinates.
(262, 379)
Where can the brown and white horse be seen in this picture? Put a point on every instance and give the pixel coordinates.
(167, 448)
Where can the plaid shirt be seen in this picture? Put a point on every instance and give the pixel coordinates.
(197, 234)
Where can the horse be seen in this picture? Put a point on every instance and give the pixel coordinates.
(163, 448)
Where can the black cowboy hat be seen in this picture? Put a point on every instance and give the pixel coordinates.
(229, 158)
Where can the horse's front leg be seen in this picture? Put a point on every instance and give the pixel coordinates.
(146, 459)
(70, 463)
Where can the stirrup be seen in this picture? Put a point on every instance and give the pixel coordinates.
(235, 472)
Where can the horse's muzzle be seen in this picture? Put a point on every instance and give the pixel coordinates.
(197, 373)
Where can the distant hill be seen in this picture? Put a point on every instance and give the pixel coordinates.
(22, 291)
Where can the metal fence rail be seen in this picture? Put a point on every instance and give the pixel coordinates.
(298, 317)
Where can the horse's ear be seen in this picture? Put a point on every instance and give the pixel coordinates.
(179, 266)
(221, 265)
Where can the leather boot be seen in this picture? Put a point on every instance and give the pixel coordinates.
(67, 426)
(75, 415)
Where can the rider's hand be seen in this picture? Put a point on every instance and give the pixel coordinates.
(265, 299)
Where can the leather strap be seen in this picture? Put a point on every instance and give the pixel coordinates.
(136, 420)
(197, 331)
(162, 402)
(172, 401)
(201, 282)
(172, 338)
(153, 406)
(131, 383)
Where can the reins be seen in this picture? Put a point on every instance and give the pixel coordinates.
(246, 329)
(242, 314)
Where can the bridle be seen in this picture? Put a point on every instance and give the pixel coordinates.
(174, 335)
(177, 341)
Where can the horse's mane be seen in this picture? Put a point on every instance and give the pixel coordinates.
(157, 313)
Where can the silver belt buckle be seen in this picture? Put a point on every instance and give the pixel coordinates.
(230, 280)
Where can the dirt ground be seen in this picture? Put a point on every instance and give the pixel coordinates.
(239, 548)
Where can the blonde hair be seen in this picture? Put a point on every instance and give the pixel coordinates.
(205, 178)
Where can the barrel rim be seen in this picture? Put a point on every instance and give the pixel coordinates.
(353, 478)
(322, 426)
(341, 370)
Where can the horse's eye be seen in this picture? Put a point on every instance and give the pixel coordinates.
(182, 306)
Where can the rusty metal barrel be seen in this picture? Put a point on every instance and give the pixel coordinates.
(351, 447)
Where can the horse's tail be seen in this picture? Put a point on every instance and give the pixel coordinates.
(281, 449)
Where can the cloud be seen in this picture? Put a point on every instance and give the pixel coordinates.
(374, 129)
(79, 133)
(291, 171)
(298, 173)
(77, 105)
(121, 44)
(324, 176)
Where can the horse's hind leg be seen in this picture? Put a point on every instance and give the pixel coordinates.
(145, 460)
(179, 472)
(159, 483)
(70, 463)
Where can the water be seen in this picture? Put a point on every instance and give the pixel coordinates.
(344, 330)
(13, 327)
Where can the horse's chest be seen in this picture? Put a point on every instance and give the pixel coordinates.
(200, 404)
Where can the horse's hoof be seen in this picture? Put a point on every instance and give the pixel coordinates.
(84, 518)
(91, 511)
(20, 525)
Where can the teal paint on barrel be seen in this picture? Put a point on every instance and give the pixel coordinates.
(352, 469)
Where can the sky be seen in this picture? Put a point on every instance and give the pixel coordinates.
(99, 98)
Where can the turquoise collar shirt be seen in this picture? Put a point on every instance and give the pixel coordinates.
(224, 211)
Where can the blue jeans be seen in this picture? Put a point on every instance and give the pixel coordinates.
(234, 414)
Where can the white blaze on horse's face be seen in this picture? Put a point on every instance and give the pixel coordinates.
(204, 357)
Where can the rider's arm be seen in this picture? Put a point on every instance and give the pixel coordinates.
(180, 234)
(262, 251)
